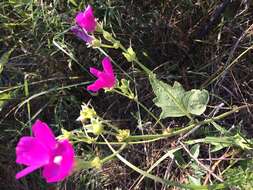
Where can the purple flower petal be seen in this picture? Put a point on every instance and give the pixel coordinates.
(44, 134)
(106, 78)
(29, 152)
(82, 34)
(95, 72)
(56, 157)
(27, 170)
(86, 19)
(62, 163)
(98, 84)
(107, 65)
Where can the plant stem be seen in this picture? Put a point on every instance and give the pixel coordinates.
(153, 177)
(108, 158)
(173, 133)
(142, 105)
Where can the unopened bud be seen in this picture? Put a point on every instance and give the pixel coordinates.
(96, 43)
(116, 44)
(86, 113)
(130, 54)
(96, 163)
(97, 127)
(123, 134)
(107, 36)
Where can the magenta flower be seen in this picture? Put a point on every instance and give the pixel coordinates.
(106, 78)
(86, 20)
(79, 32)
(44, 151)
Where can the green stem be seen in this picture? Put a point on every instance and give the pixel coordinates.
(153, 177)
(149, 73)
(161, 136)
(128, 142)
(108, 158)
(188, 128)
(106, 46)
(142, 105)
(139, 139)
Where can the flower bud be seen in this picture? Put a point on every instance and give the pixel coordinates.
(108, 36)
(97, 127)
(130, 54)
(96, 163)
(95, 43)
(124, 87)
(116, 44)
(86, 113)
(65, 134)
(123, 134)
(99, 27)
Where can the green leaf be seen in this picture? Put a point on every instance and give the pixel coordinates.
(196, 101)
(195, 150)
(219, 143)
(168, 98)
(4, 59)
(175, 101)
(73, 2)
(220, 128)
(194, 180)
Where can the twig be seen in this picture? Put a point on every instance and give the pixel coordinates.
(225, 155)
(199, 163)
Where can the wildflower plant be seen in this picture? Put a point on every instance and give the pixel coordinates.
(175, 101)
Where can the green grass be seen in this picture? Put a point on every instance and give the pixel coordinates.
(46, 75)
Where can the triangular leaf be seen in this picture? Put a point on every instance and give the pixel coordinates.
(175, 101)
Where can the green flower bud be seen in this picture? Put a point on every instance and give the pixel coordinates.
(99, 27)
(123, 134)
(96, 163)
(167, 131)
(80, 164)
(97, 127)
(108, 36)
(116, 44)
(86, 113)
(65, 134)
(130, 54)
(96, 43)
(125, 88)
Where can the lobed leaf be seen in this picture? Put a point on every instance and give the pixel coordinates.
(175, 101)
